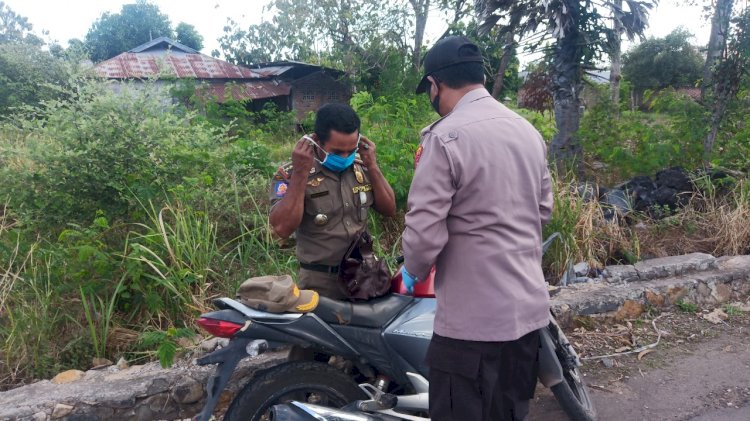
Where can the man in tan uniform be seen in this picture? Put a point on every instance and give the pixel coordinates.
(480, 194)
(325, 194)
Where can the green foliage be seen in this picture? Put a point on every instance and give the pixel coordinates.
(96, 150)
(189, 36)
(115, 33)
(637, 143)
(732, 310)
(165, 343)
(28, 76)
(171, 261)
(15, 28)
(99, 314)
(394, 125)
(657, 63)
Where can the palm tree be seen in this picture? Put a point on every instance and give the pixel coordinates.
(575, 34)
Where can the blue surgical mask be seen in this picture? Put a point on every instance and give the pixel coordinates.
(334, 162)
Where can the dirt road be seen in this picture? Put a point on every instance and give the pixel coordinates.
(705, 380)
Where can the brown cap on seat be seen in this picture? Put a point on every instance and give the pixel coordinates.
(276, 294)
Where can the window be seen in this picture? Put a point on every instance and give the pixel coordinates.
(333, 96)
(308, 96)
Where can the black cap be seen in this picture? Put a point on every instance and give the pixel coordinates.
(446, 53)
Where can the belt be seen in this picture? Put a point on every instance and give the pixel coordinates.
(319, 268)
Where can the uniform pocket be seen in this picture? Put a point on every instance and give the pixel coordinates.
(318, 201)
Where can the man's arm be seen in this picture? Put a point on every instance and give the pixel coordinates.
(286, 214)
(430, 200)
(385, 198)
(547, 198)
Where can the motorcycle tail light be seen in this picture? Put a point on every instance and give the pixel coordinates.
(220, 328)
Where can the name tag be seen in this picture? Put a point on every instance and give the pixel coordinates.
(319, 194)
(362, 189)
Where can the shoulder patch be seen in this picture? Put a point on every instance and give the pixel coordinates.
(280, 188)
(418, 155)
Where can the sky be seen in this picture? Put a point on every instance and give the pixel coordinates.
(71, 19)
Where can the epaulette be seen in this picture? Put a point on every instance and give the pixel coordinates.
(284, 172)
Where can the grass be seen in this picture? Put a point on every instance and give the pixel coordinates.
(687, 307)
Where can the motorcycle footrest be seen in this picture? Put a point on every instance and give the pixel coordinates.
(385, 401)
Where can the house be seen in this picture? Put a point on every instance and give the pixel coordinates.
(291, 85)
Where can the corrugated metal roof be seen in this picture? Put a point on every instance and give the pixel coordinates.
(138, 66)
(257, 89)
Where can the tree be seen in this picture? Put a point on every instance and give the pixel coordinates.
(27, 72)
(579, 36)
(732, 67)
(361, 37)
(421, 12)
(15, 28)
(189, 36)
(116, 33)
(657, 63)
(717, 42)
(615, 72)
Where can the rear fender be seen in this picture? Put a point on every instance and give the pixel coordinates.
(550, 369)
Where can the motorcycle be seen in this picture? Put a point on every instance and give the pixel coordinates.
(366, 358)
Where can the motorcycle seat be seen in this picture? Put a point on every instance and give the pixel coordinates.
(372, 313)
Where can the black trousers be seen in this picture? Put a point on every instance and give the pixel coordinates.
(482, 381)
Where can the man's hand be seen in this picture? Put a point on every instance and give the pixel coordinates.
(408, 280)
(303, 157)
(367, 152)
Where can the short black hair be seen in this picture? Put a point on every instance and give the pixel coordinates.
(461, 74)
(339, 117)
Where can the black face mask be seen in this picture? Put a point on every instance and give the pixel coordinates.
(436, 104)
(436, 101)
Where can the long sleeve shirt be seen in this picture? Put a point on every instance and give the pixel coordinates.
(480, 195)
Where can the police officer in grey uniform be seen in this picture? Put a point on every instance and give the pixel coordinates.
(480, 195)
(325, 194)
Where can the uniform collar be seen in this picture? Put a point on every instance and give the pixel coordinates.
(468, 98)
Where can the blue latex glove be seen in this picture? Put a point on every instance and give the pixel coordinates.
(408, 279)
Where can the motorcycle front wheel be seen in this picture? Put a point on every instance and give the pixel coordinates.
(309, 382)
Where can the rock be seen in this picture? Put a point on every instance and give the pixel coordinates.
(665, 197)
(674, 265)
(621, 273)
(618, 202)
(675, 178)
(61, 410)
(716, 317)
(98, 363)
(582, 269)
(581, 279)
(656, 300)
(69, 376)
(675, 294)
(630, 310)
(39, 416)
(608, 362)
(587, 191)
(187, 391)
(641, 191)
(122, 364)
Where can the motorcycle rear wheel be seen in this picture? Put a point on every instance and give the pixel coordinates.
(310, 382)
